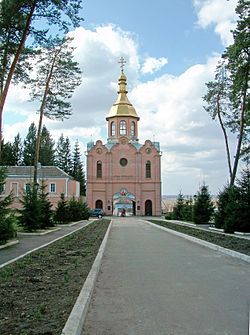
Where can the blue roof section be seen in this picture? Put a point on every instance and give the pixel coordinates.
(90, 145)
(112, 142)
(157, 146)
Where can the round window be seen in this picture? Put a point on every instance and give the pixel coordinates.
(123, 161)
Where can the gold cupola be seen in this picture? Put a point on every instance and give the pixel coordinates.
(122, 106)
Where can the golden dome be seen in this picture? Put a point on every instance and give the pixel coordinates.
(122, 106)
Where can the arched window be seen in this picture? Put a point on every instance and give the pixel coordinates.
(112, 128)
(99, 169)
(99, 204)
(123, 127)
(132, 128)
(148, 169)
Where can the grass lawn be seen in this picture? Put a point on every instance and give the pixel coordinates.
(225, 241)
(38, 292)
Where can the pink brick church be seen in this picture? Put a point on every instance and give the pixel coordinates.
(123, 173)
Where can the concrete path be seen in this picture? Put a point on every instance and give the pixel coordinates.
(154, 283)
(27, 243)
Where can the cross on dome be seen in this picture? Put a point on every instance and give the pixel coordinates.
(122, 62)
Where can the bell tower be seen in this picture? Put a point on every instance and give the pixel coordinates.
(122, 118)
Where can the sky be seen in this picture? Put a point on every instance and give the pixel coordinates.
(171, 50)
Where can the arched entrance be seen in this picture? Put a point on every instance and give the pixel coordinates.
(124, 200)
(99, 204)
(148, 208)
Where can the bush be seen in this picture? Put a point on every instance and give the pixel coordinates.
(7, 228)
(78, 210)
(73, 210)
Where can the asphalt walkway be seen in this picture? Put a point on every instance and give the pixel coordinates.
(154, 283)
(28, 243)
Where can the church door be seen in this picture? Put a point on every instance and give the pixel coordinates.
(148, 208)
(99, 204)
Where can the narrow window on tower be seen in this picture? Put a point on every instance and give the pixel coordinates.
(112, 129)
(123, 127)
(99, 169)
(148, 169)
(132, 128)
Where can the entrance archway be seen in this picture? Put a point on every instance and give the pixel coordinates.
(124, 200)
(148, 208)
(99, 204)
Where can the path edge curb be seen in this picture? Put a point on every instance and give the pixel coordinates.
(75, 322)
(42, 246)
(212, 246)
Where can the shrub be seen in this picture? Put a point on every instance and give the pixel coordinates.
(73, 210)
(78, 210)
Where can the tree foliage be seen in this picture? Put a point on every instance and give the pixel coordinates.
(57, 76)
(228, 95)
(63, 154)
(233, 205)
(77, 169)
(18, 21)
(36, 210)
(7, 220)
(29, 146)
(203, 206)
(47, 151)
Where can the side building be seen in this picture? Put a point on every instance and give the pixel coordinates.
(56, 181)
(123, 173)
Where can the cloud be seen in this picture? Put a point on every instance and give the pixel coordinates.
(152, 64)
(170, 107)
(219, 13)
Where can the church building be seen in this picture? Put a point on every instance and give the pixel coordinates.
(124, 175)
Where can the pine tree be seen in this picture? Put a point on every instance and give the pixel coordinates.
(203, 206)
(46, 211)
(7, 221)
(7, 157)
(30, 214)
(228, 95)
(47, 151)
(29, 146)
(220, 215)
(57, 76)
(17, 150)
(62, 211)
(63, 154)
(18, 21)
(77, 169)
(178, 208)
(243, 222)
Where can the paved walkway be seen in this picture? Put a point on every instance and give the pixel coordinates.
(154, 283)
(27, 243)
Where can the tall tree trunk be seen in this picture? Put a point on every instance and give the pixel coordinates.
(241, 130)
(225, 138)
(42, 108)
(13, 66)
